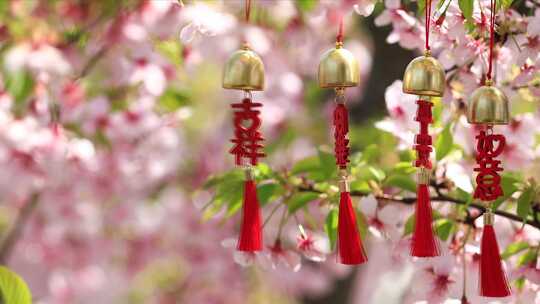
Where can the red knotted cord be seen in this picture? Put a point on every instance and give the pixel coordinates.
(491, 38)
(339, 37)
(341, 128)
(428, 22)
(423, 140)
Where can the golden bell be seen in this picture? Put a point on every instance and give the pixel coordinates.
(244, 70)
(424, 76)
(488, 105)
(338, 68)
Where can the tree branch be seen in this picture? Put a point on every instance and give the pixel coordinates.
(17, 229)
(437, 198)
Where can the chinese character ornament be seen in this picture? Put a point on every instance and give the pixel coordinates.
(424, 76)
(338, 69)
(245, 71)
(487, 107)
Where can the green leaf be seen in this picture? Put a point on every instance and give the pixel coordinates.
(371, 153)
(524, 203)
(401, 181)
(306, 5)
(527, 257)
(327, 163)
(505, 3)
(262, 171)
(366, 173)
(442, 7)
(231, 176)
(362, 222)
(228, 192)
(19, 85)
(172, 100)
(443, 228)
(409, 225)
(519, 283)
(466, 7)
(300, 199)
(508, 184)
(404, 168)
(234, 204)
(513, 249)
(267, 193)
(13, 289)
(421, 6)
(444, 143)
(360, 186)
(464, 196)
(330, 226)
(306, 165)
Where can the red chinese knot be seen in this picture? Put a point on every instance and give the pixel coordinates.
(341, 128)
(423, 140)
(247, 137)
(488, 180)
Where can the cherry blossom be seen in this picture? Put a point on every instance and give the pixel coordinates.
(382, 221)
(313, 246)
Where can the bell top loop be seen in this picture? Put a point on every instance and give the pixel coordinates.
(244, 70)
(488, 105)
(424, 76)
(338, 68)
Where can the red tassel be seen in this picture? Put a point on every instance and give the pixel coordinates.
(424, 243)
(493, 282)
(351, 251)
(251, 231)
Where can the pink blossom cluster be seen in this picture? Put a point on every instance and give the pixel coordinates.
(111, 173)
(464, 53)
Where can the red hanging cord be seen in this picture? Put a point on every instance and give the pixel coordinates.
(248, 10)
(491, 38)
(339, 37)
(428, 22)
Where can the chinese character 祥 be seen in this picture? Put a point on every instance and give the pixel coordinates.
(247, 137)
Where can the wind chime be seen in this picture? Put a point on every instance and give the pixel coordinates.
(424, 76)
(338, 69)
(488, 107)
(244, 71)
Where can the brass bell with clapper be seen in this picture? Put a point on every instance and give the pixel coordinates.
(424, 76)
(488, 105)
(244, 70)
(338, 68)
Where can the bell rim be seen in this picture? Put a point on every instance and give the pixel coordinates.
(496, 123)
(243, 88)
(430, 93)
(332, 86)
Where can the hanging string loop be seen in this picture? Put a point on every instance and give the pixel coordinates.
(491, 41)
